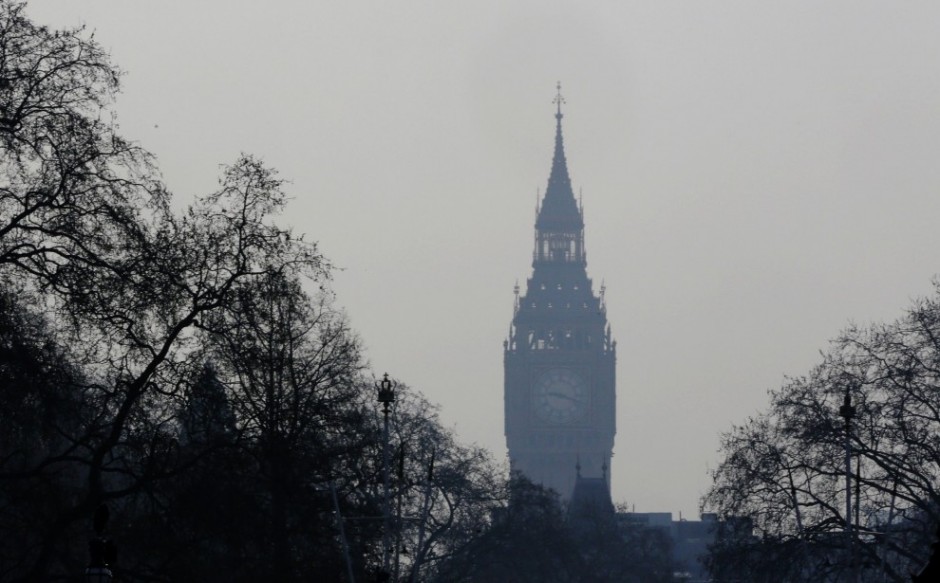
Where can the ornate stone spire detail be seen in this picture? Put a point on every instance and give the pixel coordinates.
(559, 210)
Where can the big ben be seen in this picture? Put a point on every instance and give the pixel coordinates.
(559, 358)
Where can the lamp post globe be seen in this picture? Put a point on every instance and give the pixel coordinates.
(386, 392)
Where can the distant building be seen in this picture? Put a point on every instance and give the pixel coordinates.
(559, 358)
(690, 538)
(591, 503)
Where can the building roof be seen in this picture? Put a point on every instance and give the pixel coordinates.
(590, 498)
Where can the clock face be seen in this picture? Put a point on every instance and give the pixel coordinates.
(560, 396)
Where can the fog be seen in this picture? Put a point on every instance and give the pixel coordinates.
(754, 177)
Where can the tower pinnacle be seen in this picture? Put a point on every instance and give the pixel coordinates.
(559, 210)
(558, 101)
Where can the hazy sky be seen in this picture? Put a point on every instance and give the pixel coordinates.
(755, 176)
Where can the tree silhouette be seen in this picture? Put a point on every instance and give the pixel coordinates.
(784, 469)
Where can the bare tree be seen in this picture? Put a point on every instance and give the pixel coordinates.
(130, 308)
(293, 370)
(119, 303)
(785, 468)
(444, 491)
(69, 185)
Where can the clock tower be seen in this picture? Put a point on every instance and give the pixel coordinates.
(559, 357)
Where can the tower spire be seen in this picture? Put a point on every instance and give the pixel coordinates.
(559, 208)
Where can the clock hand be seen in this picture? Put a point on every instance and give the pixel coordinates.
(564, 396)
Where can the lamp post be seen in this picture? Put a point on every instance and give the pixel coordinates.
(847, 412)
(102, 552)
(386, 394)
(342, 533)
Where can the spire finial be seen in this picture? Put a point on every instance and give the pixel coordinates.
(558, 100)
(577, 465)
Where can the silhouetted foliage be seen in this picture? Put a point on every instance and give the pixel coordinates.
(294, 373)
(527, 540)
(42, 404)
(172, 365)
(86, 233)
(785, 469)
(531, 537)
(198, 521)
(442, 491)
(613, 550)
(69, 185)
(206, 418)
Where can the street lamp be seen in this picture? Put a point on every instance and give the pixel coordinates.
(102, 552)
(386, 394)
(847, 412)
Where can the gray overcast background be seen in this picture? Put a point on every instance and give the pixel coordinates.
(755, 176)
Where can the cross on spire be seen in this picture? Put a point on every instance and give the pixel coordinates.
(558, 100)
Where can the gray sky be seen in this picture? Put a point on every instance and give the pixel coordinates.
(755, 175)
